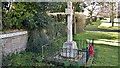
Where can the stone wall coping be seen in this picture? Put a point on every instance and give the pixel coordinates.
(12, 34)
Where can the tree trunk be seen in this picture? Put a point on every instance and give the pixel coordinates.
(91, 12)
(91, 19)
(112, 14)
(112, 21)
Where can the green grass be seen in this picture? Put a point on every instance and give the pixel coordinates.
(23, 59)
(96, 35)
(110, 28)
(94, 25)
(106, 55)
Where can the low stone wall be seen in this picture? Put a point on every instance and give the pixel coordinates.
(13, 42)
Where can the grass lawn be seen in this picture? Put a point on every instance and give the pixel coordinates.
(96, 35)
(106, 55)
(110, 28)
(96, 25)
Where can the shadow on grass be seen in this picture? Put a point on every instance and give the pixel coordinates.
(96, 35)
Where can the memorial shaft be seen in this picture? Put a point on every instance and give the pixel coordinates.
(69, 21)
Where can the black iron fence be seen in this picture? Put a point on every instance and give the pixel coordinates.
(54, 51)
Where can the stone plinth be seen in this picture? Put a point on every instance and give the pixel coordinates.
(70, 49)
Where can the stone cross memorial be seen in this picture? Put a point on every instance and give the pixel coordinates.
(69, 47)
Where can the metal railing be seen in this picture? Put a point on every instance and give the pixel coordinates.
(49, 49)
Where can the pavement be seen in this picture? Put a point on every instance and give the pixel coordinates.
(115, 19)
(108, 42)
(109, 24)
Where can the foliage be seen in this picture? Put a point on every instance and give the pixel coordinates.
(80, 22)
(15, 16)
(26, 58)
(33, 17)
(23, 59)
(94, 25)
(19, 15)
(87, 21)
(118, 16)
(94, 18)
(36, 39)
(77, 6)
(44, 29)
(41, 27)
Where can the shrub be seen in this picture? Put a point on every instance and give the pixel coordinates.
(94, 18)
(87, 21)
(80, 22)
(101, 18)
(118, 16)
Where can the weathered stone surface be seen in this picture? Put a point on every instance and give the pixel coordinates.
(14, 44)
(70, 49)
(0, 55)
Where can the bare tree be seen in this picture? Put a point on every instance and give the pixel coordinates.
(112, 12)
(91, 9)
(108, 9)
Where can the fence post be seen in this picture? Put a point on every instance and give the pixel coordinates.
(1, 54)
(42, 53)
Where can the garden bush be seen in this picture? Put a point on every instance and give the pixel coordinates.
(94, 18)
(101, 18)
(87, 21)
(80, 22)
(118, 16)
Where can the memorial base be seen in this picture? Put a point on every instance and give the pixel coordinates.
(70, 49)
